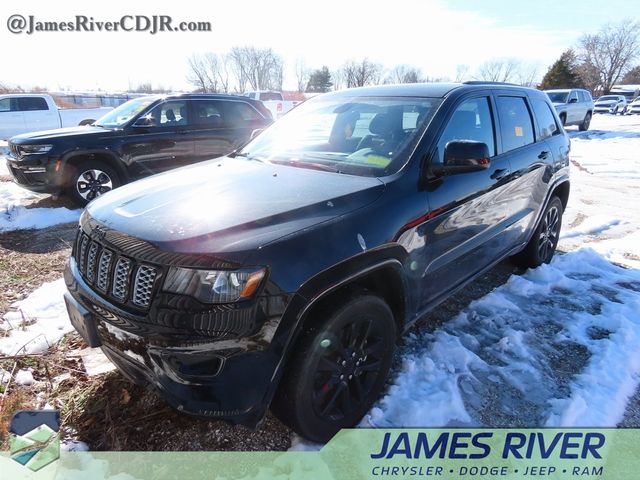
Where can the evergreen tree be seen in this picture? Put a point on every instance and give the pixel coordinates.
(563, 73)
(320, 81)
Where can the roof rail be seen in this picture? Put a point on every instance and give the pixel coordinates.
(483, 82)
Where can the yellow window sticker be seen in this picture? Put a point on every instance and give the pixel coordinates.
(378, 160)
(519, 132)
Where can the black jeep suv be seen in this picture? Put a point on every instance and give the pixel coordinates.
(283, 274)
(146, 135)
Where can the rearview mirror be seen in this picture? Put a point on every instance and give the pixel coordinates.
(573, 100)
(146, 121)
(462, 156)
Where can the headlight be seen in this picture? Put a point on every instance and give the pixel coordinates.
(34, 149)
(214, 286)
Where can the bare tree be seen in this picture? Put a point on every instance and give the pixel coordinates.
(404, 74)
(498, 70)
(337, 77)
(302, 74)
(462, 73)
(208, 73)
(611, 51)
(258, 68)
(359, 74)
(527, 74)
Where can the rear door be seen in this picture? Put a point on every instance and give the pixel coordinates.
(161, 140)
(221, 126)
(468, 235)
(11, 119)
(37, 115)
(530, 158)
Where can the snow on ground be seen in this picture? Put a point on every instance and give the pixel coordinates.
(40, 320)
(4, 150)
(14, 215)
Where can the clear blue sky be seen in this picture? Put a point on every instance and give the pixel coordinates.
(574, 15)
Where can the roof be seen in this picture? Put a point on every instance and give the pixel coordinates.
(433, 90)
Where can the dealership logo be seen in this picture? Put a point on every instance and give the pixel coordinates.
(34, 438)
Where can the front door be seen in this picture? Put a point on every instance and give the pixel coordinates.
(466, 236)
(160, 140)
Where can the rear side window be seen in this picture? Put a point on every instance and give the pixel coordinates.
(471, 121)
(267, 96)
(546, 120)
(29, 104)
(239, 114)
(515, 122)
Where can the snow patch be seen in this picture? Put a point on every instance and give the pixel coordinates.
(40, 321)
(24, 377)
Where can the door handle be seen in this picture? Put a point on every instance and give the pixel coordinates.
(500, 173)
(543, 155)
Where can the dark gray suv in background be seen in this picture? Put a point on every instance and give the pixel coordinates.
(574, 106)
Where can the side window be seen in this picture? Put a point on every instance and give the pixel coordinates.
(5, 105)
(573, 97)
(30, 104)
(516, 127)
(207, 113)
(546, 120)
(470, 121)
(168, 114)
(239, 114)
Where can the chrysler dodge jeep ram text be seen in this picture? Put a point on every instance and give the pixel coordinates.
(283, 273)
(146, 135)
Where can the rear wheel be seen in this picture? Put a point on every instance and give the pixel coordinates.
(544, 241)
(584, 126)
(91, 179)
(338, 369)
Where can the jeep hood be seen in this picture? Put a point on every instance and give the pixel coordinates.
(230, 204)
(86, 130)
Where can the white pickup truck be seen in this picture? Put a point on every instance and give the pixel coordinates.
(29, 112)
(274, 101)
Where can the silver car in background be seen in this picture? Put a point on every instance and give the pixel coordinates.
(633, 107)
(611, 104)
(574, 106)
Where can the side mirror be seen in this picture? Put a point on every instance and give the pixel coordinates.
(255, 133)
(573, 100)
(145, 122)
(462, 156)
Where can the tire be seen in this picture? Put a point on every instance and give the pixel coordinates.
(584, 126)
(563, 119)
(544, 240)
(90, 179)
(338, 369)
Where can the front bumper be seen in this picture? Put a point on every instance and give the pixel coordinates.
(228, 379)
(36, 173)
(607, 109)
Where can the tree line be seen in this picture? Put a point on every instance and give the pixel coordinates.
(597, 62)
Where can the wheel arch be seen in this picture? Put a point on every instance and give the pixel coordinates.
(72, 159)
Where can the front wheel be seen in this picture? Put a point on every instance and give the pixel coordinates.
(338, 369)
(584, 126)
(90, 180)
(544, 240)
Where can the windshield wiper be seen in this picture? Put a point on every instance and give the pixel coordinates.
(306, 164)
(248, 156)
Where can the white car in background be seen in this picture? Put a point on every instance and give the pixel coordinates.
(610, 104)
(274, 101)
(633, 107)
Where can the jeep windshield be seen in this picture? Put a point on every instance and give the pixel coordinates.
(558, 97)
(120, 116)
(368, 136)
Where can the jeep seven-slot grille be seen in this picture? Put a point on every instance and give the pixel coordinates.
(114, 275)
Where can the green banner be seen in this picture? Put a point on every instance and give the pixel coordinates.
(612, 454)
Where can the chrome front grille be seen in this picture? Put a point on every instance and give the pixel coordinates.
(143, 285)
(121, 279)
(118, 277)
